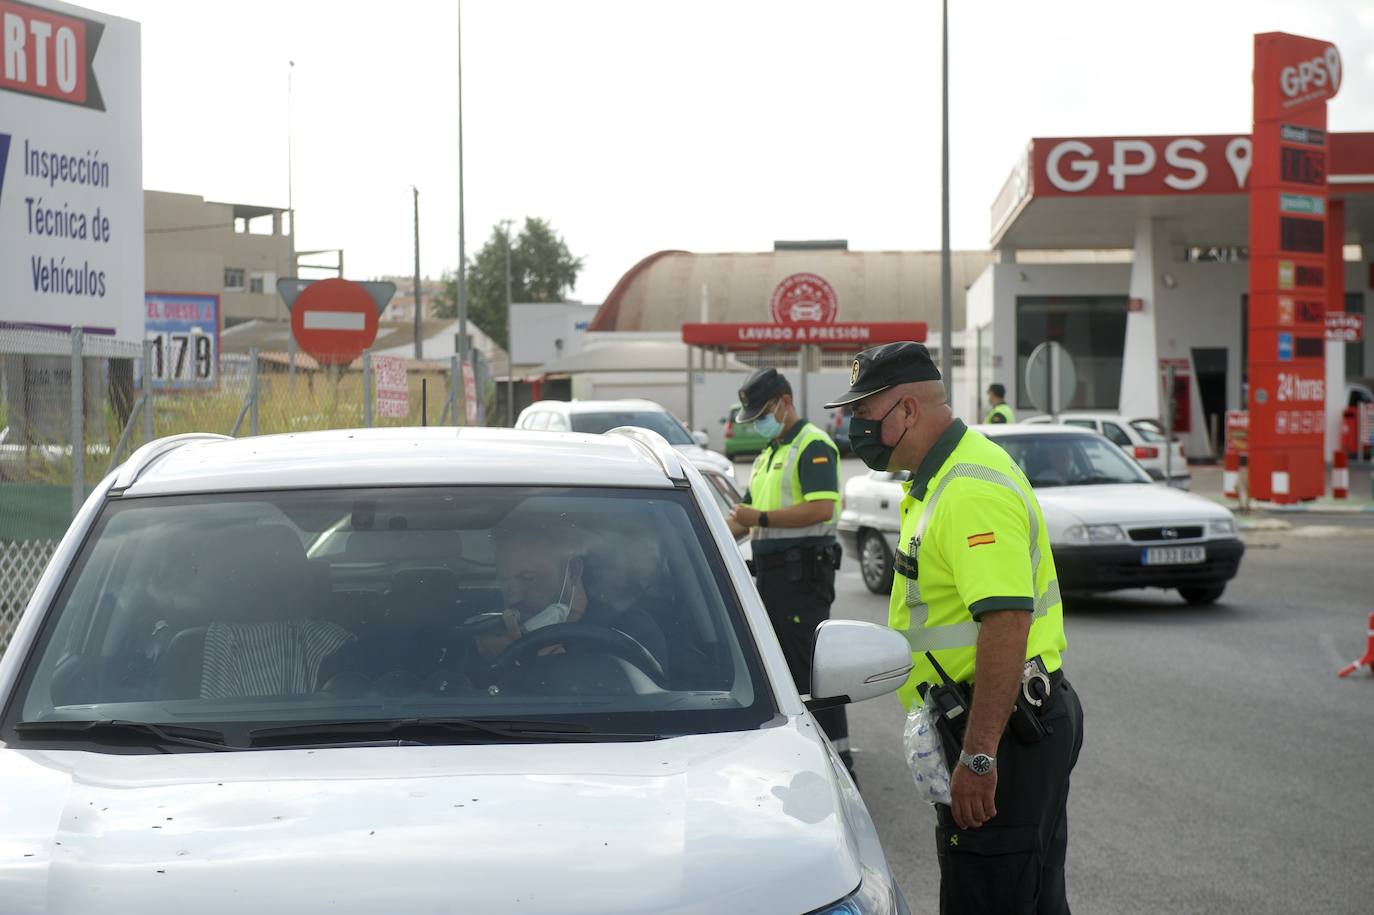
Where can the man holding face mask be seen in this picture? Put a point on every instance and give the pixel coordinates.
(790, 512)
(975, 589)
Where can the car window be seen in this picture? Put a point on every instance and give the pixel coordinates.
(241, 610)
(1148, 430)
(723, 493)
(1082, 423)
(538, 420)
(654, 420)
(557, 422)
(1070, 460)
(1116, 435)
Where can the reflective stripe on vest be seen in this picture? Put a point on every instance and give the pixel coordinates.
(964, 634)
(787, 487)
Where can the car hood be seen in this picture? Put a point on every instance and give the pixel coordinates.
(1123, 503)
(698, 453)
(750, 822)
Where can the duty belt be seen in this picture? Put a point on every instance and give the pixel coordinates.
(803, 554)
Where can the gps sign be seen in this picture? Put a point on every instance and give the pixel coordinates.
(1289, 242)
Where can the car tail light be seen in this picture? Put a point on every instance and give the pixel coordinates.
(729, 428)
(1146, 451)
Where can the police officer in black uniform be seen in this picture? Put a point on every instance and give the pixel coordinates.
(790, 511)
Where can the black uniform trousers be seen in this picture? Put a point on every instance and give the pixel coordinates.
(798, 596)
(1014, 863)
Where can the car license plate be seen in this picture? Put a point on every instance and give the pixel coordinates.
(1173, 555)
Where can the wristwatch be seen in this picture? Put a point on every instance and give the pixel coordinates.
(763, 519)
(978, 763)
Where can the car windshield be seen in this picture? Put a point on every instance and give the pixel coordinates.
(1070, 460)
(606, 420)
(1148, 430)
(608, 608)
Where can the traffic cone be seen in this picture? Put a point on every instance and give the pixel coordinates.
(1230, 475)
(1367, 662)
(1340, 475)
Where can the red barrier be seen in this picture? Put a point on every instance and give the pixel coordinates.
(1367, 662)
(1340, 476)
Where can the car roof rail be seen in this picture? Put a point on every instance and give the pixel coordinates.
(149, 454)
(659, 449)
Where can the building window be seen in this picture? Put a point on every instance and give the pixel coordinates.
(255, 284)
(1091, 328)
(233, 278)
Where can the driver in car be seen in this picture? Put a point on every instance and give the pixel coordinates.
(541, 575)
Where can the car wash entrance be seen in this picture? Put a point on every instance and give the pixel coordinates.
(815, 346)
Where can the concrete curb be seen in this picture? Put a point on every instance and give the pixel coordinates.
(1308, 508)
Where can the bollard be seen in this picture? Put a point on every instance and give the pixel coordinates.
(1230, 475)
(1278, 480)
(1367, 662)
(1340, 475)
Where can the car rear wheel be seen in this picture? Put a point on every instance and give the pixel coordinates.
(875, 562)
(1202, 595)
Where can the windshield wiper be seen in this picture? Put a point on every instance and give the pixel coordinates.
(515, 730)
(107, 729)
(1097, 481)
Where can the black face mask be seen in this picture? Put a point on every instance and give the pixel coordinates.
(866, 438)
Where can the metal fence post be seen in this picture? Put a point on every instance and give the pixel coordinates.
(253, 390)
(455, 371)
(367, 389)
(148, 390)
(78, 423)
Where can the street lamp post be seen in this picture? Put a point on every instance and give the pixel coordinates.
(510, 334)
(946, 305)
(419, 335)
(462, 239)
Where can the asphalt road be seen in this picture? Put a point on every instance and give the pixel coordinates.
(1225, 768)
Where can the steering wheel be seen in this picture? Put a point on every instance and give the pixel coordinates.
(611, 641)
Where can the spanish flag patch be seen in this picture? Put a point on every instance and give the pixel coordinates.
(982, 539)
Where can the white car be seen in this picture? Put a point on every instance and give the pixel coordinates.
(1142, 439)
(1110, 526)
(595, 416)
(255, 676)
(724, 489)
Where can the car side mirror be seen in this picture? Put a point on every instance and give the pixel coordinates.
(701, 438)
(854, 661)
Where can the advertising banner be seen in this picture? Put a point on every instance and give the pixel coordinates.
(71, 172)
(393, 392)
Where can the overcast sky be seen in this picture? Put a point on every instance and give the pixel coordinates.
(711, 125)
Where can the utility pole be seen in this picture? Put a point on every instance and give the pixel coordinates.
(946, 304)
(510, 336)
(462, 239)
(419, 334)
(291, 211)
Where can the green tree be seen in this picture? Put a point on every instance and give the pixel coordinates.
(542, 269)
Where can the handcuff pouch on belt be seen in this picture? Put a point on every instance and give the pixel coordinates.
(951, 703)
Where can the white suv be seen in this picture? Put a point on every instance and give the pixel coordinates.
(594, 416)
(422, 670)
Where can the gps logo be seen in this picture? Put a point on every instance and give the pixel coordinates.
(1317, 73)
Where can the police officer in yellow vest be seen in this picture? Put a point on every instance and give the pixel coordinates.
(790, 512)
(1000, 411)
(975, 587)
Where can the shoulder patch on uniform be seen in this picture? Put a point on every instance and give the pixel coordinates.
(982, 539)
(820, 460)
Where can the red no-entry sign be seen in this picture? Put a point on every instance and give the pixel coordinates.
(334, 320)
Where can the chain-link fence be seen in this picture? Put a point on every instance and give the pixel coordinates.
(74, 405)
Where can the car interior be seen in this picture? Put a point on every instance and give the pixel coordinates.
(379, 596)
